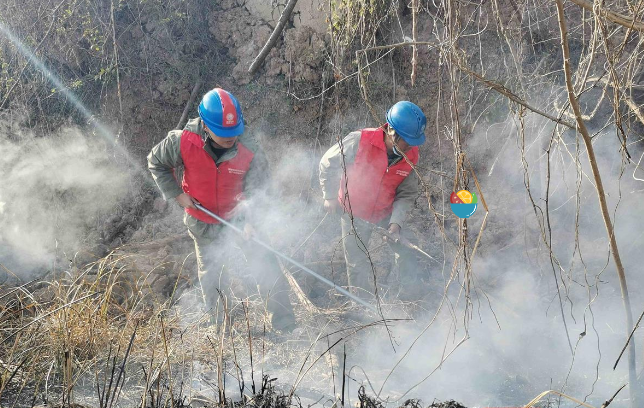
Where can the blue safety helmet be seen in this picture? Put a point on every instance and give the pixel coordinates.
(221, 112)
(408, 121)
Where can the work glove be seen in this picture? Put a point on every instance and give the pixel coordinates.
(186, 201)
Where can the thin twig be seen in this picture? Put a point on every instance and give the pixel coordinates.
(400, 44)
(414, 29)
(344, 372)
(509, 94)
(250, 345)
(628, 101)
(607, 402)
(543, 394)
(628, 340)
(116, 62)
(115, 396)
(617, 18)
(167, 357)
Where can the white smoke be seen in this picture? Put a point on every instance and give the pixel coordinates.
(529, 353)
(516, 345)
(54, 188)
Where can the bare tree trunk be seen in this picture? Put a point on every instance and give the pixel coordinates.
(581, 126)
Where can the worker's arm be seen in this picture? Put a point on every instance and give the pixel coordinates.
(162, 160)
(331, 164)
(406, 194)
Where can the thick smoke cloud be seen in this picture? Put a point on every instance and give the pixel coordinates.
(508, 363)
(516, 346)
(53, 189)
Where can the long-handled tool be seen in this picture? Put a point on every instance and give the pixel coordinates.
(400, 240)
(286, 258)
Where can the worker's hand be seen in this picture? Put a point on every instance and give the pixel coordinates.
(394, 232)
(186, 201)
(331, 206)
(248, 232)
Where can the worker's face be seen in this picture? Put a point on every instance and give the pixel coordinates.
(397, 141)
(223, 142)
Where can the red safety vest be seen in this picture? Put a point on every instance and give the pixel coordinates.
(217, 188)
(371, 183)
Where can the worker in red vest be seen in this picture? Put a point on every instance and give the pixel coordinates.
(221, 168)
(379, 186)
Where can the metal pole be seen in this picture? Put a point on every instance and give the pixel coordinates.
(293, 261)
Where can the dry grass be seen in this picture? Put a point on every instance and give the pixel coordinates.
(100, 336)
(103, 322)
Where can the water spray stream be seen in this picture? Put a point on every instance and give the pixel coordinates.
(56, 81)
(291, 260)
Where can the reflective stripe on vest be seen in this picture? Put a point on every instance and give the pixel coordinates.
(218, 189)
(371, 184)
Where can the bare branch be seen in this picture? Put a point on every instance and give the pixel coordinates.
(617, 18)
(581, 126)
(607, 403)
(628, 340)
(286, 15)
(510, 95)
(414, 56)
(191, 100)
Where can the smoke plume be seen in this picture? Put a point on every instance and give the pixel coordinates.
(55, 188)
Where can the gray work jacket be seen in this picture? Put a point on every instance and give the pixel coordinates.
(331, 174)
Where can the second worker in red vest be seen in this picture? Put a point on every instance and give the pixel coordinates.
(379, 186)
(221, 167)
